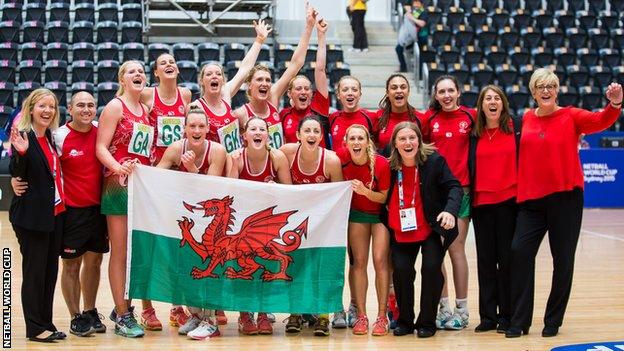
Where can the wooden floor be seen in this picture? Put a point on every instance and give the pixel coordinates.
(595, 311)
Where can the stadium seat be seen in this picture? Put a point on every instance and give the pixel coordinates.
(617, 38)
(461, 71)
(82, 32)
(106, 31)
(559, 71)
(568, 96)
(602, 76)
(495, 56)
(58, 32)
(188, 72)
(467, 5)
(207, 52)
(29, 71)
(24, 89)
(35, 12)
(6, 94)
(543, 19)
(554, 5)
(83, 51)
(455, 16)
(55, 71)
(59, 11)
(108, 12)
(9, 31)
(82, 86)
(542, 56)
(194, 88)
(283, 52)
(591, 97)
(509, 37)
(565, 57)
(597, 5)
(576, 5)
(477, 17)
(310, 54)
(531, 38)
(500, 18)
(240, 98)
(434, 70)
(440, 35)
(511, 5)
(577, 37)
(7, 71)
(463, 36)
(82, 71)
(131, 32)
(472, 55)
(184, 52)
(133, 51)
(521, 19)
(337, 70)
(553, 37)
(469, 96)
(31, 51)
(308, 70)
(482, 74)
(519, 56)
(233, 52)
(5, 114)
(599, 38)
(334, 53)
(60, 90)
(506, 74)
(618, 73)
(525, 73)
(449, 55)
(518, 96)
(565, 19)
(609, 20)
(123, 2)
(610, 57)
(486, 37)
(107, 71)
(434, 16)
(106, 92)
(11, 12)
(154, 50)
(265, 53)
(578, 75)
(108, 51)
(33, 31)
(587, 20)
(8, 51)
(490, 5)
(617, 5)
(588, 57)
(131, 13)
(444, 5)
(84, 12)
(427, 54)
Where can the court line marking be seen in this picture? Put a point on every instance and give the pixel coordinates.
(600, 235)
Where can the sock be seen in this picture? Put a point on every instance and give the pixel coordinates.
(461, 303)
(444, 302)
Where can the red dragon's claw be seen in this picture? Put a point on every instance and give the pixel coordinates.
(270, 276)
(199, 274)
(182, 242)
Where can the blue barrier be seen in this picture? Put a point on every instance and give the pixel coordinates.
(596, 346)
(604, 177)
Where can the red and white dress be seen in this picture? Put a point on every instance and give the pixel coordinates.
(268, 173)
(290, 116)
(205, 164)
(300, 177)
(168, 121)
(223, 129)
(276, 133)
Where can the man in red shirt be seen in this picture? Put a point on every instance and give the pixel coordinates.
(85, 236)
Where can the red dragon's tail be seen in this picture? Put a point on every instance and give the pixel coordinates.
(292, 238)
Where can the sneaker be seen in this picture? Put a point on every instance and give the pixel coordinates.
(352, 315)
(96, 320)
(444, 314)
(149, 320)
(221, 317)
(126, 325)
(393, 311)
(264, 324)
(177, 316)
(459, 319)
(190, 325)
(361, 325)
(246, 324)
(113, 315)
(294, 324)
(81, 325)
(380, 327)
(321, 327)
(365, 50)
(271, 317)
(340, 320)
(206, 329)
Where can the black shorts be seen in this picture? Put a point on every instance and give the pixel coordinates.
(84, 230)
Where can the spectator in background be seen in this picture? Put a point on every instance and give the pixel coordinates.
(414, 28)
(357, 8)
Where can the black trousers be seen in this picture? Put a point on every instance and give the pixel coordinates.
(40, 257)
(403, 259)
(560, 214)
(360, 41)
(494, 227)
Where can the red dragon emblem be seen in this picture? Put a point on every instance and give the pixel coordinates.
(257, 238)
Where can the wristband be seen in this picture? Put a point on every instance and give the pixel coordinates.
(616, 104)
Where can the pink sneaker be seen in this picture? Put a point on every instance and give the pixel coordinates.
(246, 324)
(380, 327)
(361, 325)
(149, 320)
(221, 317)
(264, 324)
(177, 316)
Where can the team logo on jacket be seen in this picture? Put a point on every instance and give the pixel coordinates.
(181, 109)
(463, 126)
(75, 153)
(436, 127)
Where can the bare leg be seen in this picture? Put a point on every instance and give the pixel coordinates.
(90, 278)
(381, 248)
(70, 284)
(457, 252)
(359, 239)
(118, 234)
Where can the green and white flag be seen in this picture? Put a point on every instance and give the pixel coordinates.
(236, 245)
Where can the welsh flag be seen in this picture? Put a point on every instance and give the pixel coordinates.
(236, 245)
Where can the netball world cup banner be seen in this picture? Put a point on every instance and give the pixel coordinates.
(236, 245)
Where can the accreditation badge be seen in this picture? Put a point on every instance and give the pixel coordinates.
(408, 219)
(170, 130)
(229, 136)
(276, 135)
(142, 139)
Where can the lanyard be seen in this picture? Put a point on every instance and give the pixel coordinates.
(53, 154)
(400, 179)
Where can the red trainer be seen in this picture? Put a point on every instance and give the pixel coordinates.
(149, 320)
(246, 324)
(361, 325)
(177, 316)
(221, 317)
(264, 324)
(380, 327)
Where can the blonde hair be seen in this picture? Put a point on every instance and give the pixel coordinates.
(122, 70)
(345, 78)
(292, 81)
(200, 78)
(250, 75)
(25, 123)
(370, 150)
(424, 149)
(543, 75)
